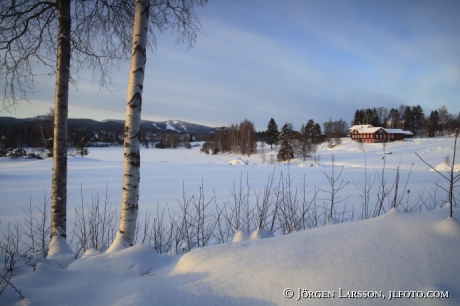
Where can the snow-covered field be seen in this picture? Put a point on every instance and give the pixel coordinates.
(394, 252)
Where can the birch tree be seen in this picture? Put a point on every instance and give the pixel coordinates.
(61, 100)
(132, 158)
(179, 17)
(65, 37)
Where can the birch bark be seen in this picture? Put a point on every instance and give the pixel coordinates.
(131, 174)
(58, 243)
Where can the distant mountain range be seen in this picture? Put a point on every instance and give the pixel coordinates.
(112, 125)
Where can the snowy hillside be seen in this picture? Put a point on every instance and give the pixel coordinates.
(180, 127)
(397, 258)
(114, 124)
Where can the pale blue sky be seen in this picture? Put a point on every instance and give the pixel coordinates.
(290, 60)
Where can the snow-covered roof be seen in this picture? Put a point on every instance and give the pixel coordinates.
(398, 131)
(394, 130)
(366, 129)
(371, 129)
(360, 126)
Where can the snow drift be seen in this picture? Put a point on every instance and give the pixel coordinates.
(393, 252)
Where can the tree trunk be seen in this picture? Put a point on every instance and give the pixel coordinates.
(131, 177)
(58, 243)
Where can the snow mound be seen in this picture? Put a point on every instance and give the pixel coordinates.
(238, 161)
(393, 252)
(261, 234)
(396, 251)
(240, 235)
(90, 253)
(449, 227)
(59, 247)
(135, 260)
(446, 168)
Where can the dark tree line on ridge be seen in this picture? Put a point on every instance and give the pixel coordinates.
(36, 140)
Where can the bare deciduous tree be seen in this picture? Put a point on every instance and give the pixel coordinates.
(334, 131)
(233, 139)
(451, 177)
(335, 185)
(262, 153)
(65, 36)
(45, 129)
(248, 137)
(149, 16)
(69, 36)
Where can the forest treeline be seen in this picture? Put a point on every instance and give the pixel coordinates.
(36, 140)
(409, 118)
(242, 138)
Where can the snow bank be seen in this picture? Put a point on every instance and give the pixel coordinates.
(446, 168)
(394, 252)
(238, 161)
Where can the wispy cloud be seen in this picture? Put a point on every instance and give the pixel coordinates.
(294, 61)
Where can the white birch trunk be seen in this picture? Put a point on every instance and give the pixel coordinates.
(58, 243)
(131, 177)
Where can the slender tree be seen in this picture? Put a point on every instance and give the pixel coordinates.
(68, 36)
(443, 118)
(179, 16)
(45, 130)
(304, 142)
(451, 177)
(132, 158)
(335, 184)
(65, 36)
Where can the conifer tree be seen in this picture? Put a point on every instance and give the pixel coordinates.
(408, 120)
(9, 142)
(286, 151)
(394, 118)
(418, 119)
(433, 123)
(316, 133)
(359, 117)
(272, 133)
(81, 147)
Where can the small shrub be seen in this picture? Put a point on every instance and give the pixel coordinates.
(160, 145)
